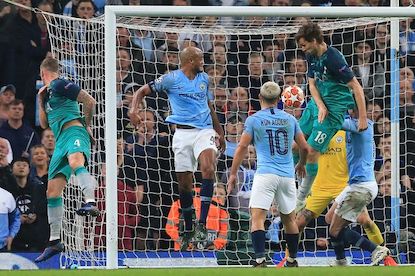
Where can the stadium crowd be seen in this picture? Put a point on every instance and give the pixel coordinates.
(237, 66)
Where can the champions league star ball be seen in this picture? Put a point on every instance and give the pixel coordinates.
(292, 96)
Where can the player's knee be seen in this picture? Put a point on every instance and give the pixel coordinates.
(364, 221)
(334, 232)
(208, 171)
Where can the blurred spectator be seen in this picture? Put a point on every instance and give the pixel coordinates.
(239, 197)
(373, 111)
(272, 66)
(129, 197)
(298, 67)
(9, 220)
(254, 79)
(217, 75)
(406, 73)
(7, 14)
(233, 131)
(71, 8)
(7, 95)
(39, 164)
(48, 140)
(7, 180)
(216, 225)
(44, 6)
(239, 103)
(26, 41)
(33, 234)
(385, 146)
(144, 40)
(170, 42)
(221, 96)
(382, 46)
(406, 96)
(169, 61)
(383, 126)
(218, 56)
(20, 135)
(150, 154)
(370, 75)
(85, 9)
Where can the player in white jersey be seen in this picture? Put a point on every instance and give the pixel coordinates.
(194, 139)
(361, 190)
(272, 131)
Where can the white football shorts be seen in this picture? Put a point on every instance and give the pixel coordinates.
(187, 146)
(354, 198)
(267, 187)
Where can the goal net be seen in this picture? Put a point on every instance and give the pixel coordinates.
(240, 55)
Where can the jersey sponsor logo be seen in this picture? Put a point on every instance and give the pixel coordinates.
(195, 96)
(333, 150)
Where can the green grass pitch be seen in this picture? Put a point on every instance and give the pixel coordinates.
(220, 271)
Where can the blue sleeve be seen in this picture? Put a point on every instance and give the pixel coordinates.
(297, 129)
(249, 126)
(310, 64)
(66, 89)
(337, 66)
(163, 83)
(14, 222)
(350, 125)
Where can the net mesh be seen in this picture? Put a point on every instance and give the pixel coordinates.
(240, 55)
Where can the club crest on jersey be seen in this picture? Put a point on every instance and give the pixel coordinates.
(202, 87)
(339, 139)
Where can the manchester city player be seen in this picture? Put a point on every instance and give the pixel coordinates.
(272, 131)
(194, 138)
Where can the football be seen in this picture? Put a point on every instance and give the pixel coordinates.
(292, 96)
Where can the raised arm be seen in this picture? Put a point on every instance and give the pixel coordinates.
(218, 128)
(360, 101)
(322, 109)
(42, 113)
(138, 96)
(89, 104)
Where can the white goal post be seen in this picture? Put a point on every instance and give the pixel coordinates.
(111, 12)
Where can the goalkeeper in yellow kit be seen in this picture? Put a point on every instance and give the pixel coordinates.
(330, 181)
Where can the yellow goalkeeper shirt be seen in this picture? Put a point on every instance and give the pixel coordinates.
(332, 166)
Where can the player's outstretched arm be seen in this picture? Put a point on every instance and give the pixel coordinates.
(42, 113)
(237, 159)
(89, 104)
(303, 150)
(322, 109)
(360, 101)
(138, 96)
(217, 127)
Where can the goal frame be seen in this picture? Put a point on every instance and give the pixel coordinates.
(111, 12)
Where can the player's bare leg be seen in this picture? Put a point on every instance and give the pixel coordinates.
(207, 163)
(185, 180)
(55, 217)
(86, 182)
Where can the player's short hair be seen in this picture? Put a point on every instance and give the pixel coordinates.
(270, 91)
(309, 32)
(50, 64)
